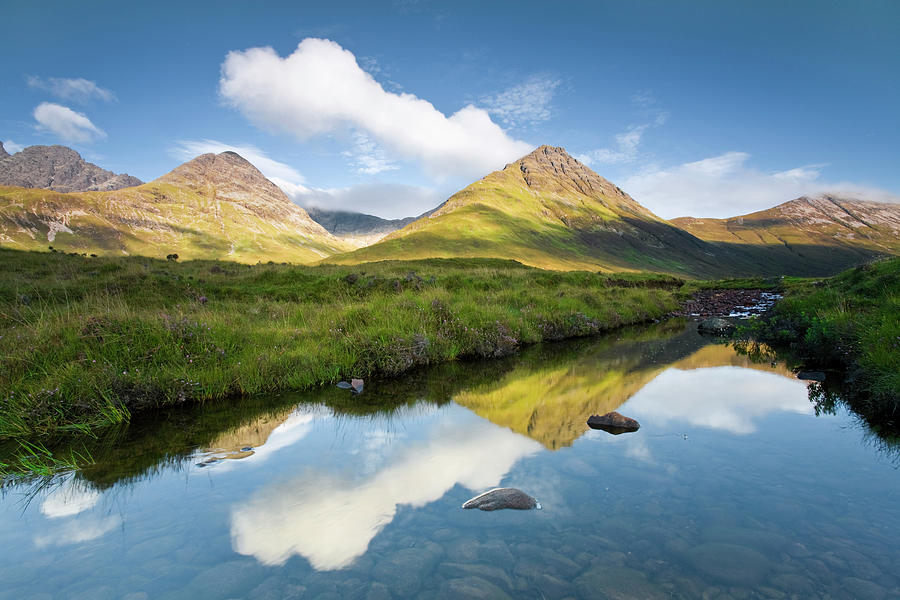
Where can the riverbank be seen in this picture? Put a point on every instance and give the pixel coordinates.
(86, 342)
(848, 323)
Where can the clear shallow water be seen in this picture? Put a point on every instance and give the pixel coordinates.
(732, 488)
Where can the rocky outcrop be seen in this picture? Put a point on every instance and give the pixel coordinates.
(3, 152)
(500, 498)
(614, 423)
(60, 169)
(715, 326)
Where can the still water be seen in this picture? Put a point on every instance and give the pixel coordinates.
(732, 488)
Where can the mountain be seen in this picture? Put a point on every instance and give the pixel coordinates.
(548, 210)
(58, 168)
(825, 234)
(216, 206)
(355, 228)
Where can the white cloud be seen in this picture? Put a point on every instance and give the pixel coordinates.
(385, 200)
(70, 498)
(281, 174)
(320, 89)
(731, 399)
(12, 147)
(725, 186)
(525, 104)
(330, 517)
(83, 529)
(78, 90)
(64, 122)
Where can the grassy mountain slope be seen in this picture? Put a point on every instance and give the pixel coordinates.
(213, 207)
(547, 210)
(808, 236)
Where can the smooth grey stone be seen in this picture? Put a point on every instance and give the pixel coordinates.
(499, 498)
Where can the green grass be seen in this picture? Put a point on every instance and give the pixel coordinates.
(86, 342)
(850, 323)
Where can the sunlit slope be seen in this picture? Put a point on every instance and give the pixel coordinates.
(547, 210)
(807, 236)
(550, 400)
(213, 207)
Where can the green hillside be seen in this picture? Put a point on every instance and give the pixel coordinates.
(547, 210)
(213, 207)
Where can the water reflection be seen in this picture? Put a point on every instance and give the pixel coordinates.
(329, 513)
(726, 398)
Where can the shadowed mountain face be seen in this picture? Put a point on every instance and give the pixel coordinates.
(212, 207)
(354, 228)
(58, 168)
(809, 235)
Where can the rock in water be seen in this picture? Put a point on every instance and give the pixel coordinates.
(355, 385)
(613, 423)
(499, 498)
(715, 326)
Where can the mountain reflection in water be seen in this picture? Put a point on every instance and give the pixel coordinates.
(353, 496)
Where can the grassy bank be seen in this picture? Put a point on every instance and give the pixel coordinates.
(850, 323)
(86, 342)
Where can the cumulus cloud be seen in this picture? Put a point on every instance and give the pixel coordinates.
(281, 174)
(320, 89)
(527, 103)
(64, 122)
(78, 90)
(385, 200)
(726, 186)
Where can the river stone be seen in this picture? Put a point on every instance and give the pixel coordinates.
(730, 563)
(715, 326)
(499, 498)
(617, 583)
(495, 575)
(475, 588)
(613, 422)
(862, 589)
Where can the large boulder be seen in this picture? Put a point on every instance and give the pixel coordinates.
(499, 498)
(613, 423)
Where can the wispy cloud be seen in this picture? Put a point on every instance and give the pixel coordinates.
(527, 103)
(386, 200)
(281, 174)
(726, 185)
(77, 90)
(625, 150)
(65, 123)
(368, 157)
(320, 89)
(626, 147)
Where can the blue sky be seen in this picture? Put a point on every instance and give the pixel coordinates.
(702, 108)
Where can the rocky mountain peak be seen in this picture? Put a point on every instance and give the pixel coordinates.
(3, 152)
(552, 169)
(227, 175)
(58, 168)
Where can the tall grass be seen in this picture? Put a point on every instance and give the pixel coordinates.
(85, 342)
(850, 323)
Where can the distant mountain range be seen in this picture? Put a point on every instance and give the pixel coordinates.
(357, 229)
(546, 209)
(58, 168)
(216, 206)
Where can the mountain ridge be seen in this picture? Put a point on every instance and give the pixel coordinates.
(58, 168)
(212, 207)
